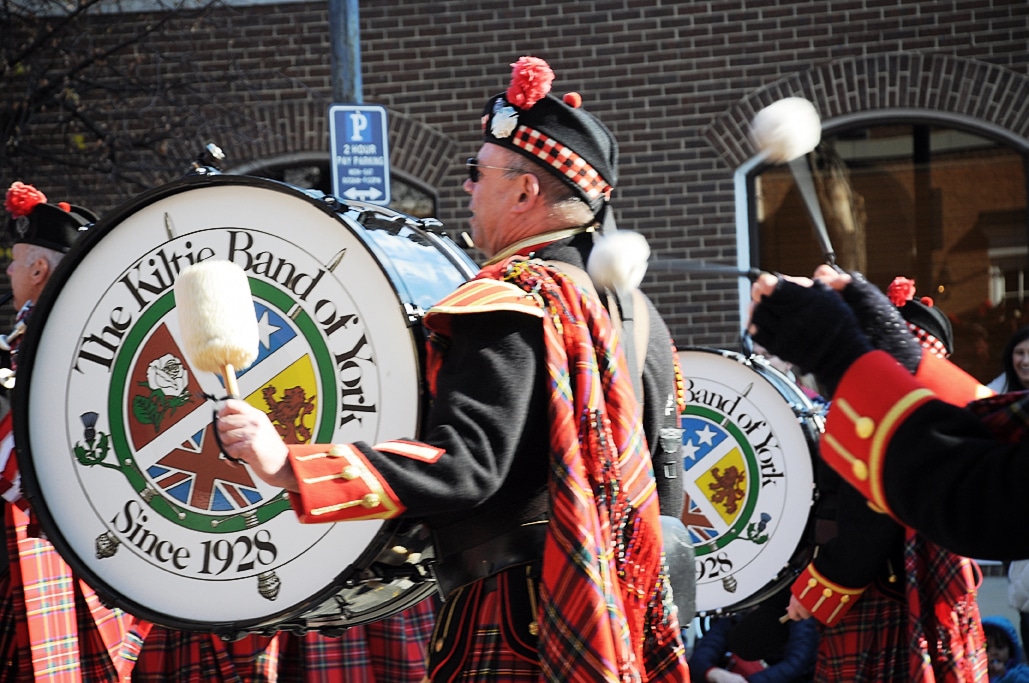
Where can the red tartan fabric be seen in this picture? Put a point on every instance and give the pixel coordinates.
(946, 642)
(62, 634)
(392, 650)
(869, 645)
(603, 616)
(487, 653)
(169, 656)
(936, 637)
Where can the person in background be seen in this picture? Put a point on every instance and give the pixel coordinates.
(536, 473)
(53, 626)
(1004, 651)
(874, 571)
(714, 662)
(1015, 360)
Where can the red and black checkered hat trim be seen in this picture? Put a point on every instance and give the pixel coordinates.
(930, 325)
(929, 342)
(564, 160)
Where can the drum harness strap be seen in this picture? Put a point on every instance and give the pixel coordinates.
(462, 562)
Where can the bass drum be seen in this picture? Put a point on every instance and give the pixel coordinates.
(115, 430)
(750, 436)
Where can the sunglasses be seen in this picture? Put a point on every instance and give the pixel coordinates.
(473, 166)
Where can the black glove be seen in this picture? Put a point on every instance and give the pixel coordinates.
(812, 328)
(882, 323)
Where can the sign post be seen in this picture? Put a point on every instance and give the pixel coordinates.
(360, 153)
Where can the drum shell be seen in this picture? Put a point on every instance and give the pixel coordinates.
(347, 284)
(750, 435)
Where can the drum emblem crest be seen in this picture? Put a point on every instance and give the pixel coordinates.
(162, 430)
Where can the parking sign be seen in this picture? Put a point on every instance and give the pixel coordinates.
(360, 152)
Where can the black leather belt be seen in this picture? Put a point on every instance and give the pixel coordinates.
(521, 545)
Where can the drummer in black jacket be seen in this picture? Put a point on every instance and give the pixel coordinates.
(533, 398)
(954, 473)
(876, 589)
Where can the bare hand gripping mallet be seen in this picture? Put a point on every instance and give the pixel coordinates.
(216, 318)
(786, 131)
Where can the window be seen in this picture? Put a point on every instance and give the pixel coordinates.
(940, 205)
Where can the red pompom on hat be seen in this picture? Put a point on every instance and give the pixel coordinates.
(928, 323)
(34, 221)
(556, 133)
(22, 198)
(530, 82)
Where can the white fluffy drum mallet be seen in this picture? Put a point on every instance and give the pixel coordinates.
(216, 318)
(786, 129)
(619, 260)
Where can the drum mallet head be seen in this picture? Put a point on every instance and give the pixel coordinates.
(216, 317)
(786, 130)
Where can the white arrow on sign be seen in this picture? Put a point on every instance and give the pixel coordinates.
(369, 195)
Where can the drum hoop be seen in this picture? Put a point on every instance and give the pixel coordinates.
(23, 391)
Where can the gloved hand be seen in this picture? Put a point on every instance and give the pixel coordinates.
(882, 323)
(812, 328)
(716, 675)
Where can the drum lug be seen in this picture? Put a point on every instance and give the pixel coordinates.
(431, 224)
(413, 312)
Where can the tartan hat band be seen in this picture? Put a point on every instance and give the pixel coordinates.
(564, 161)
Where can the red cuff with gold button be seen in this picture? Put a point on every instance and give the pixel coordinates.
(827, 601)
(337, 483)
(874, 397)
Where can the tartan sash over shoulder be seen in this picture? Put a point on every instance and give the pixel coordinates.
(604, 613)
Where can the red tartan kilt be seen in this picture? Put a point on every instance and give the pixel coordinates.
(474, 640)
(869, 645)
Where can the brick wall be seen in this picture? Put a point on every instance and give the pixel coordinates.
(675, 81)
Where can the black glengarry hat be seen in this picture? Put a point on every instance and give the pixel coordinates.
(927, 322)
(557, 133)
(34, 221)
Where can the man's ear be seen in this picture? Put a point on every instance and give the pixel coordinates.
(40, 270)
(530, 192)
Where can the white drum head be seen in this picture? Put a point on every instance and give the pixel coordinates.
(748, 477)
(122, 447)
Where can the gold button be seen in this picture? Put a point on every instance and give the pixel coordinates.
(350, 472)
(337, 451)
(370, 500)
(860, 470)
(534, 628)
(827, 592)
(864, 427)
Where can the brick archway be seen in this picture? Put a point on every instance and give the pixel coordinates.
(992, 96)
